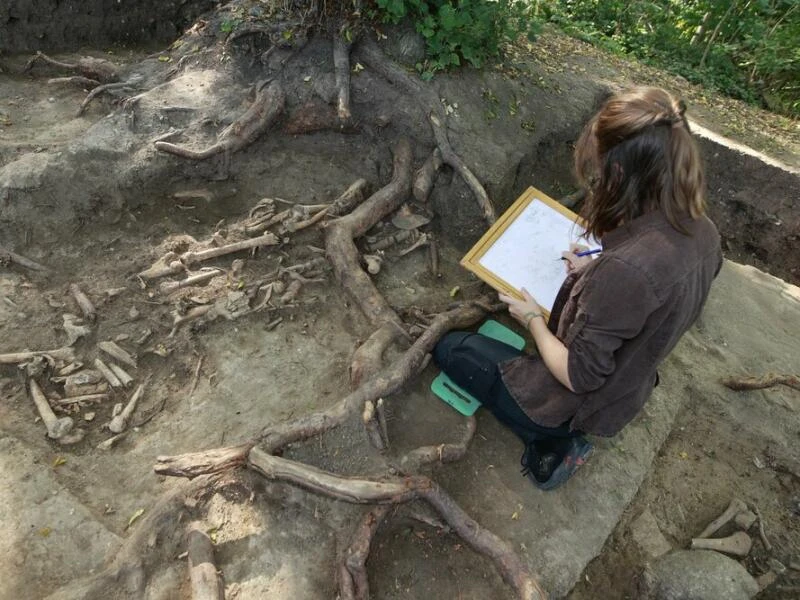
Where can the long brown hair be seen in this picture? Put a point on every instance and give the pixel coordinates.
(637, 155)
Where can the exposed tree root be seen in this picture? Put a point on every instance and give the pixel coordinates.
(107, 87)
(424, 179)
(206, 583)
(362, 491)
(76, 79)
(349, 199)
(449, 157)
(443, 453)
(368, 357)
(758, 383)
(372, 381)
(372, 55)
(89, 67)
(399, 491)
(125, 575)
(572, 200)
(341, 67)
(353, 582)
(342, 252)
(268, 104)
(273, 438)
(7, 257)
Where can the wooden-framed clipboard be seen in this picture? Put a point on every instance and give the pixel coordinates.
(523, 248)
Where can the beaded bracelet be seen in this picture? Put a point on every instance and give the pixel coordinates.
(530, 316)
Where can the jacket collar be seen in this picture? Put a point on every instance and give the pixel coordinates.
(651, 220)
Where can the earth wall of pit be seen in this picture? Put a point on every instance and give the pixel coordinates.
(58, 25)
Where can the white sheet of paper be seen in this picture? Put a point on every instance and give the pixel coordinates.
(527, 254)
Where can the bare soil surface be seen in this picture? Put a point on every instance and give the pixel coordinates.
(214, 383)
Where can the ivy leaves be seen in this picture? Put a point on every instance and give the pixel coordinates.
(460, 31)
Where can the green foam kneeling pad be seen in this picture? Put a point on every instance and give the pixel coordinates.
(451, 393)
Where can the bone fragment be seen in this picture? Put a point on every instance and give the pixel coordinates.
(374, 262)
(86, 306)
(421, 241)
(75, 330)
(738, 544)
(112, 441)
(108, 374)
(192, 314)
(390, 240)
(112, 293)
(761, 531)
(745, 519)
(407, 219)
(36, 366)
(292, 227)
(189, 258)
(70, 369)
(114, 351)
(66, 354)
(372, 426)
(87, 381)
(273, 324)
(120, 421)
(57, 428)
(766, 579)
(168, 287)
(83, 398)
(350, 198)
(262, 223)
(121, 374)
(292, 290)
(380, 412)
(734, 508)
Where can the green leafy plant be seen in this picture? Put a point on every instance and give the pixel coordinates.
(744, 48)
(460, 31)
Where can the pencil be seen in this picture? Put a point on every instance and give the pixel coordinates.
(586, 253)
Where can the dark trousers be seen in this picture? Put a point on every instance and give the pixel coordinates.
(471, 360)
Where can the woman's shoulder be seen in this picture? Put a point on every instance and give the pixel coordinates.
(662, 255)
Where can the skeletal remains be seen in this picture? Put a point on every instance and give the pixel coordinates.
(61, 429)
(738, 543)
(119, 421)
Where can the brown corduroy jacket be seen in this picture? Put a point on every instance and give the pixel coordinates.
(619, 317)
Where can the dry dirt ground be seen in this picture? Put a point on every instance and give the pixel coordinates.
(220, 382)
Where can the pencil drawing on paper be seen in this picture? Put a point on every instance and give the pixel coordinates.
(527, 254)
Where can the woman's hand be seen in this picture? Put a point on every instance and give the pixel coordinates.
(553, 352)
(525, 310)
(573, 261)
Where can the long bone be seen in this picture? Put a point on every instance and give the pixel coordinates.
(61, 429)
(120, 421)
